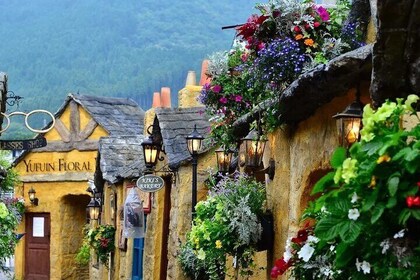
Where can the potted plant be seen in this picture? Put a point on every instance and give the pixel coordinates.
(227, 223)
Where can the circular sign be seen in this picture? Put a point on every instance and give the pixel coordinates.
(150, 183)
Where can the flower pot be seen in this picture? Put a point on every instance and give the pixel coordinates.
(267, 236)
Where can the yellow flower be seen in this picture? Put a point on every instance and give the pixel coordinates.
(218, 244)
(196, 241)
(298, 37)
(384, 158)
(372, 182)
(309, 42)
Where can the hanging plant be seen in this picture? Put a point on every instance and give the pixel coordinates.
(227, 223)
(101, 240)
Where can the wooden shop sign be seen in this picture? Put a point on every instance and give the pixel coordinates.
(23, 144)
(150, 183)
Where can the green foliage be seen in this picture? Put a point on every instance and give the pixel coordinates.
(367, 226)
(101, 240)
(225, 224)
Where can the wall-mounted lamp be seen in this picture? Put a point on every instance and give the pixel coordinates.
(194, 142)
(224, 158)
(93, 209)
(349, 122)
(32, 196)
(151, 151)
(254, 151)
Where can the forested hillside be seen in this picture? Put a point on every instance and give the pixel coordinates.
(110, 48)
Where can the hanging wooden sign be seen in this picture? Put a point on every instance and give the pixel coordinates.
(23, 144)
(150, 183)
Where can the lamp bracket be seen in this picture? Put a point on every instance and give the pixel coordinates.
(35, 201)
(270, 170)
(165, 171)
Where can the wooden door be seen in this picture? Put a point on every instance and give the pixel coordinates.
(37, 246)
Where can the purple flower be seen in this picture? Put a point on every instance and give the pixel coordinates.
(238, 98)
(217, 88)
(206, 86)
(223, 100)
(323, 13)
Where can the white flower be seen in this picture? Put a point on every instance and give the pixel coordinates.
(399, 234)
(313, 239)
(324, 210)
(353, 214)
(332, 248)
(201, 254)
(364, 266)
(287, 255)
(306, 252)
(384, 245)
(354, 198)
(326, 271)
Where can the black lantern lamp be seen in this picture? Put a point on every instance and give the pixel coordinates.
(194, 141)
(32, 198)
(224, 158)
(254, 149)
(94, 209)
(253, 155)
(349, 123)
(151, 150)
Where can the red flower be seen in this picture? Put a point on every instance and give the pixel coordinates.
(316, 24)
(302, 236)
(413, 201)
(297, 29)
(104, 242)
(307, 26)
(280, 267)
(418, 184)
(248, 29)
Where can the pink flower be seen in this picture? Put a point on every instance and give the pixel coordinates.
(244, 57)
(316, 24)
(323, 13)
(217, 88)
(238, 98)
(223, 100)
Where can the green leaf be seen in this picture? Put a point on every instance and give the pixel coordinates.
(377, 212)
(392, 201)
(328, 228)
(340, 206)
(344, 254)
(416, 213)
(350, 230)
(370, 200)
(323, 183)
(372, 147)
(393, 185)
(404, 215)
(338, 157)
